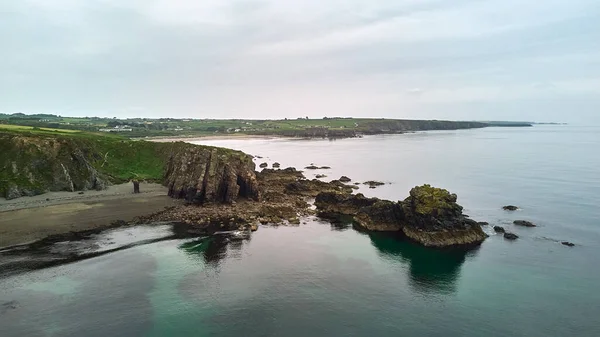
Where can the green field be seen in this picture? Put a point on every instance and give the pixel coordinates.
(171, 127)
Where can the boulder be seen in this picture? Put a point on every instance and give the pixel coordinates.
(567, 243)
(483, 223)
(345, 179)
(510, 236)
(510, 208)
(312, 167)
(263, 165)
(276, 165)
(523, 223)
(499, 229)
(319, 176)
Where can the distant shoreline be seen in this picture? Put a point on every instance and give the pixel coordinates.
(224, 137)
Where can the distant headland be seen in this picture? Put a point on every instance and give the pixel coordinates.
(334, 127)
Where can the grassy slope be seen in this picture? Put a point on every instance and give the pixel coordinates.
(116, 157)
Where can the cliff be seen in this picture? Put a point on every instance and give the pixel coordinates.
(429, 216)
(33, 163)
(202, 174)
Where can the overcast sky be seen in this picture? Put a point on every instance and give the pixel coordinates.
(462, 59)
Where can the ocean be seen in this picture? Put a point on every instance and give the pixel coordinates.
(317, 279)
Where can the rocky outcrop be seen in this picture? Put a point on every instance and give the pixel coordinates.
(510, 208)
(524, 223)
(510, 236)
(345, 179)
(499, 229)
(203, 174)
(429, 216)
(33, 165)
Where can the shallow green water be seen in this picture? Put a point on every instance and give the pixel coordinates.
(320, 280)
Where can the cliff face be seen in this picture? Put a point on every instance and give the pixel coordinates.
(429, 216)
(34, 165)
(207, 174)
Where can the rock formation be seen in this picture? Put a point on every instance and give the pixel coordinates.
(429, 216)
(208, 174)
(524, 223)
(33, 165)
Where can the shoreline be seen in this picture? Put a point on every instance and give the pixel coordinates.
(29, 219)
(224, 137)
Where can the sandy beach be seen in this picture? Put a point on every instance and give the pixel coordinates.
(28, 219)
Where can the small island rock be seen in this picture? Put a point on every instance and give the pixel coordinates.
(510, 208)
(567, 243)
(523, 223)
(276, 165)
(499, 229)
(345, 179)
(510, 236)
(263, 165)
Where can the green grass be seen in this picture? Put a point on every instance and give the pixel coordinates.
(33, 129)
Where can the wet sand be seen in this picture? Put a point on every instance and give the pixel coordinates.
(28, 219)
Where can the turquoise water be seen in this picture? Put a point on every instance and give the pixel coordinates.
(321, 280)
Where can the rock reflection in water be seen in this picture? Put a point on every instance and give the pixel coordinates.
(430, 270)
(215, 248)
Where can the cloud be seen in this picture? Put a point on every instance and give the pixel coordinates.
(268, 58)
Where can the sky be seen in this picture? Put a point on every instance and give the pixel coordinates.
(421, 59)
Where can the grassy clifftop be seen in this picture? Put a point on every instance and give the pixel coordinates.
(36, 161)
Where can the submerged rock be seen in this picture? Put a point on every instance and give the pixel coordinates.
(499, 229)
(324, 168)
(567, 243)
(510, 236)
(429, 216)
(312, 167)
(524, 223)
(510, 208)
(483, 223)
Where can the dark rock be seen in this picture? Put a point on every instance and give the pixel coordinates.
(205, 174)
(483, 223)
(136, 186)
(345, 179)
(373, 184)
(312, 167)
(263, 165)
(324, 167)
(523, 223)
(510, 208)
(357, 183)
(499, 229)
(276, 165)
(429, 216)
(47, 199)
(567, 243)
(80, 192)
(510, 236)
(319, 176)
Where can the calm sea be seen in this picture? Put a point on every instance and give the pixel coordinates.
(321, 280)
